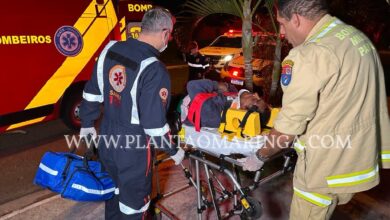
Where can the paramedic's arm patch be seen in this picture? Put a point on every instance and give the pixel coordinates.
(311, 68)
(90, 105)
(153, 104)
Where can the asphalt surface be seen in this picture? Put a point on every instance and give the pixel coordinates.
(21, 153)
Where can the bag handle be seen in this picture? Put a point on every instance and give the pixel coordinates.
(92, 151)
(86, 159)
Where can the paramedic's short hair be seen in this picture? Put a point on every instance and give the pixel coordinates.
(157, 19)
(306, 8)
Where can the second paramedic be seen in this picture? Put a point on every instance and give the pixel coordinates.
(197, 63)
(135, 89)
(335, 103)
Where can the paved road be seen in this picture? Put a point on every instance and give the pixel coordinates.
(21, 154)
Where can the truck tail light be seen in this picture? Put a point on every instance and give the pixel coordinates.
(235, 71)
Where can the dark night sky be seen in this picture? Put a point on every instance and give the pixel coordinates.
(172, 5)
(368, 15)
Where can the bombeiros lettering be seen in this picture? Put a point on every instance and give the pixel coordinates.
(25, 39)
(139, 7)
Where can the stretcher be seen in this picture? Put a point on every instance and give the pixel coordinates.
(210, 153)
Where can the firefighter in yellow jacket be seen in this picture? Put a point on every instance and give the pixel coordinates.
(334, 110)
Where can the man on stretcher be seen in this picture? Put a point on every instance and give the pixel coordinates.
(212, 97)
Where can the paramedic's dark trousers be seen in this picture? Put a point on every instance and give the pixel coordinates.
(130, 170)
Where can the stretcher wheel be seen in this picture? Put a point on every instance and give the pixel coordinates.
(255, 211)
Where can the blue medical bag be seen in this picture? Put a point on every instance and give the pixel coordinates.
(74, 177)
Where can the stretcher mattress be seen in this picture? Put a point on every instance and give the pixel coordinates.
(211, 141)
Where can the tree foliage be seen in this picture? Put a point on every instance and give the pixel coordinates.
(240, 8)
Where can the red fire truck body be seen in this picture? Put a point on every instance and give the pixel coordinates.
(47, 52)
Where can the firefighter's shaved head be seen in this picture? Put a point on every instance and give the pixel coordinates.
(307, 8)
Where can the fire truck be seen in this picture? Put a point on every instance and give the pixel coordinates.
(48, 50)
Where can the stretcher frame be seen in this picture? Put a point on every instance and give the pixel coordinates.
(243, 205)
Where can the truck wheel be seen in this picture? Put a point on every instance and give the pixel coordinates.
(70, 108)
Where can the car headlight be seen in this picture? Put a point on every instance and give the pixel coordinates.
(228, 58)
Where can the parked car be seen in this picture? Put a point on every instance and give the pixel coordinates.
(226, 47)
(262, 64)
(223, 49)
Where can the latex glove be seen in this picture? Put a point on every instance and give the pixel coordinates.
(84, 132)
(179, 156)
(251, 163)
